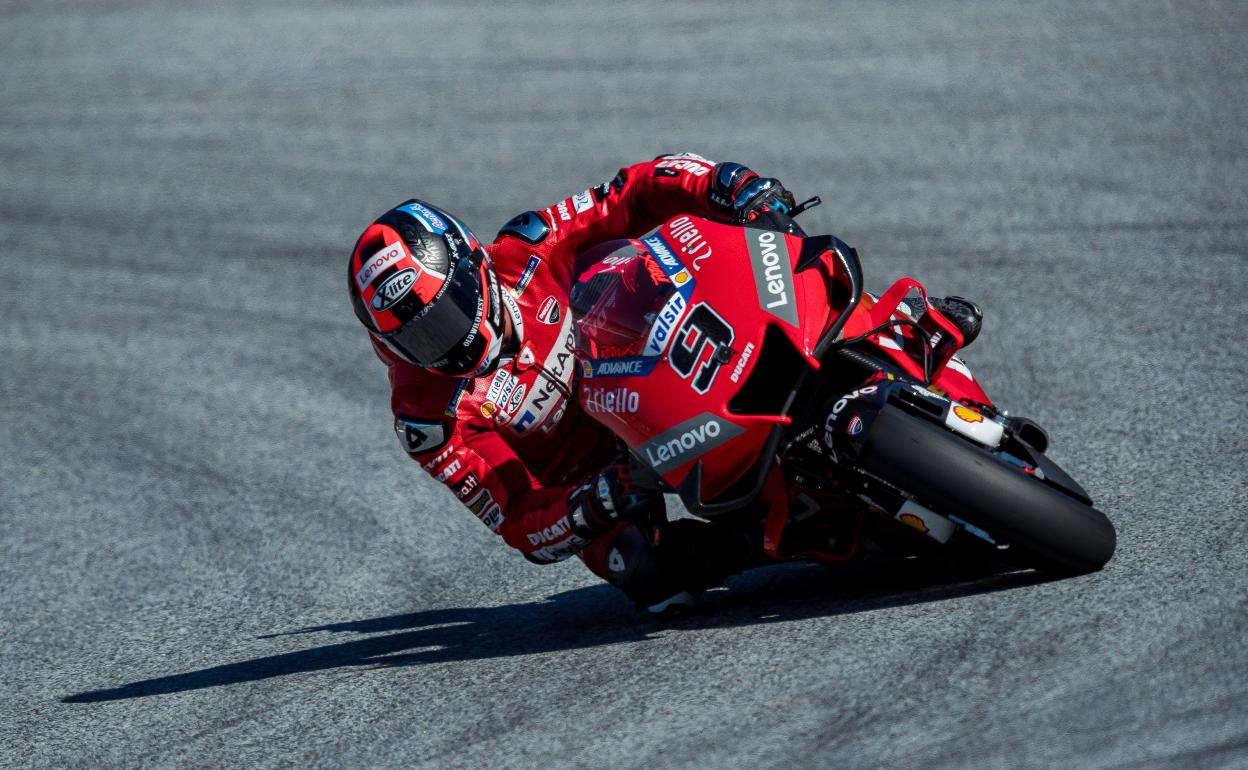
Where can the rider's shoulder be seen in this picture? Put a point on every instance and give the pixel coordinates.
(421, 393)
(530, 227)
(427, 411)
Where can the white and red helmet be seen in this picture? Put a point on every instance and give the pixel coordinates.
(424, 287)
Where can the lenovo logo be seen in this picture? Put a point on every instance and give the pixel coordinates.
(687, 441)
(773, 274)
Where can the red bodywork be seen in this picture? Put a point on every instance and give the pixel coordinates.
(655, 304)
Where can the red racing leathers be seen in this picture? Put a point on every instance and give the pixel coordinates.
(513, 444)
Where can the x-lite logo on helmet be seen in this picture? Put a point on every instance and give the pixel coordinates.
(421, 282)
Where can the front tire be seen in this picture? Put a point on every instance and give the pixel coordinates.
(1054, 531)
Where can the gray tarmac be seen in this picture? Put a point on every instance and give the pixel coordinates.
(213, 552)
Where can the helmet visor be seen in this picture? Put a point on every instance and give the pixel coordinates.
(449, 326)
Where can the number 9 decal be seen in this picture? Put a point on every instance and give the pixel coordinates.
(696, 343)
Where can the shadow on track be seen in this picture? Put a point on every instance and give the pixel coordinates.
(589, 617)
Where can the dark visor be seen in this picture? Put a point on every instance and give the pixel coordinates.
(430, 338)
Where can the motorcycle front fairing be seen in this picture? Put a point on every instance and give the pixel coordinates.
(694, 339)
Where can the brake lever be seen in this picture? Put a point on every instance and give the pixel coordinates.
(809, 203)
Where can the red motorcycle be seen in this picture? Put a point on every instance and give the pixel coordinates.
(747, 367)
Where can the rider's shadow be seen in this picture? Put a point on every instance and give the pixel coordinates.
(585, 618)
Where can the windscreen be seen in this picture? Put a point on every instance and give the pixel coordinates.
(616, 301)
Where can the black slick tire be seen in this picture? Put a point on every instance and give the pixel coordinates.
(951, 475)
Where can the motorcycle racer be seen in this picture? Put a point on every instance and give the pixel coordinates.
(478, 341)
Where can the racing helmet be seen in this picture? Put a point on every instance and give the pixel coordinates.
(422, 284)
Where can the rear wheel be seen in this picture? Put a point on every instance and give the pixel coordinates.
(954, 477)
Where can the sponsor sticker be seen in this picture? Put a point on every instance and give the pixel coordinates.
(500, 386)
(559, 551)
(615, 561)
(541, 404)
(488, 409)
(926, 521)
(687, 164)
(376, 264)
(742, 361)
(773, 273)
(620, 257)
(612, 400)
(683, 231)
(553, 532)
(629, 366)
(914, 521)
(435, 462)
(928, 393)
(394, 289)
(844, 400)
(492, 517)
(687, 441)
(855, 425)
(452, 406)
(478, 502)
(450, 470)
(431, 221)
(548, 312)
(672, 267)
(517, 396)
(513, 310)
(529, 269)
(967, 415)
(582, 201)
(484, 508)
(564, 214)
(664, 323)
(419, 436)
(467, 486)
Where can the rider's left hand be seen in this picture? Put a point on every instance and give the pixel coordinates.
(757, 195)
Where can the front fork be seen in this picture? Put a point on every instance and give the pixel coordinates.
(818, 499)
(798, 524)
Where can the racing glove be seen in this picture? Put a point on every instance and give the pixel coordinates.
(611, 496)
(758, 195)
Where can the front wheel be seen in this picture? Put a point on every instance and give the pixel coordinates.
(954, 477)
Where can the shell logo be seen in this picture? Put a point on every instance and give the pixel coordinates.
(488, 409)
(681, 278)
(910, 520)
(967, 415)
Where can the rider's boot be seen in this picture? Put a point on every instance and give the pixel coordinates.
(663, 571)
(965, 315)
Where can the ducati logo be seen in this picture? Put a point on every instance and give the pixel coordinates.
(548, 313)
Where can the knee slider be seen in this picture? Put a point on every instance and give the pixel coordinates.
(633, 566)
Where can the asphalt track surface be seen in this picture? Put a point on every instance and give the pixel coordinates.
(214, 553)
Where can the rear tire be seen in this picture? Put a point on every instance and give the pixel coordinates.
(955, 477)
